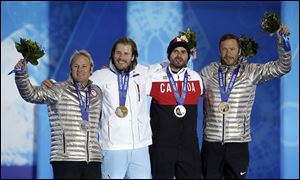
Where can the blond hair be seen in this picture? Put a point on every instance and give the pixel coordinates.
(85, 53)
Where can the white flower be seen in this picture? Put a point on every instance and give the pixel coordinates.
(183, 37)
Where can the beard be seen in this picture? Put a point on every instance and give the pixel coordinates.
(179, 66)
(229, 60)
(121, 66)
(179, 63)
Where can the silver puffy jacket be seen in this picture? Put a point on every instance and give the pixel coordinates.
(68, 141)
(235, 126)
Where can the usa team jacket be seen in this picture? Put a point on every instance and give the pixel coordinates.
(235, 126)
(169, 130)
(68, 141)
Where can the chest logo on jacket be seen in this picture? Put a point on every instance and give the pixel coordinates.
(93, 93)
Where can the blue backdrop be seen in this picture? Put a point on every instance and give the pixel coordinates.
(62, 27)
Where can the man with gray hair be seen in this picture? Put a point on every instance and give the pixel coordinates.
(74, 108)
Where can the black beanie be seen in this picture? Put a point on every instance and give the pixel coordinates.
(177, 42)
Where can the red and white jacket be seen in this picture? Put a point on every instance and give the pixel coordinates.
(169, 130)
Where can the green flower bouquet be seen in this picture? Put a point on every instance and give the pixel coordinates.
(189, 37)
(248, 46)
(30, 50)
(270, 23)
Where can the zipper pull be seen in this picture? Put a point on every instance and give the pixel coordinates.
(138, 88)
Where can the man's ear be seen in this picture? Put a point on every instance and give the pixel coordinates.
(91, 70)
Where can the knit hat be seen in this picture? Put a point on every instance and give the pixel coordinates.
(178, 42)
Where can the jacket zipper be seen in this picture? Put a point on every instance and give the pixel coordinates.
(64, 143)
(108, 130)
(87, 146)
(132, 133)
(138, 88)
(223, 128)
(244, 124)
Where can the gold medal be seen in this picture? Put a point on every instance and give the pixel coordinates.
(224, 107)
(121, 111)
(179, 111)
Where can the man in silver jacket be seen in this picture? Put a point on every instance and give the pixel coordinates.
(74, 108)
(228, 99)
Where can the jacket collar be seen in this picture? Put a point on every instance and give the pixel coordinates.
(225, 67)
(181, 71)
(81, 86)
(113, 68)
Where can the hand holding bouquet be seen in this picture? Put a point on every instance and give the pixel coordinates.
(270, 23)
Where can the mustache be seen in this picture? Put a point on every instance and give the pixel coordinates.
(178, 58)
(121, 60)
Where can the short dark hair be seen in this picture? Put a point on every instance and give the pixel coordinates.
(230, 36)
(126, 41)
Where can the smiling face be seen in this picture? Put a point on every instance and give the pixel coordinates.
(178, 58)
(122, 56)
(81, 69)
(229, 52)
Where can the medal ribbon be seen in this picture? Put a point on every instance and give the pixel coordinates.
(123, 87)
(180, 100)
(225, 94)
(84, 110)
(286, 42)
(21, 69)
(16, 70)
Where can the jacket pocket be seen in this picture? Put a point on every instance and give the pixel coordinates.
(140, 88)
(144, 128)
(138, 92)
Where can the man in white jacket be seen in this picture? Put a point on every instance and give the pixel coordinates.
(125, 132)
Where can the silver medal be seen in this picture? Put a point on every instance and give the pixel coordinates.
(85, 125)
(179, 111)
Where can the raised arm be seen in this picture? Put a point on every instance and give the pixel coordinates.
(34, 94)
(264, 72)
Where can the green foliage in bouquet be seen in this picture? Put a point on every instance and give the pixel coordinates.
(249, 46)
(30, 50)
(189, 37)
(270, 23)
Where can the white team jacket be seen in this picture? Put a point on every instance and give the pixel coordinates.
(134, 130)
